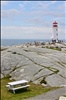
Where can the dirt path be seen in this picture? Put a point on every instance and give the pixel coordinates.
(51, 95)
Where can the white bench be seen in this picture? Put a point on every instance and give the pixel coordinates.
(11, 85)
(8, 86)
(62, 98)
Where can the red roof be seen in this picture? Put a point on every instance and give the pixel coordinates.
(55, 22)
(55, 26)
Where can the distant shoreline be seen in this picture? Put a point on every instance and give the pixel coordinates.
(11, 42)
(60, 46)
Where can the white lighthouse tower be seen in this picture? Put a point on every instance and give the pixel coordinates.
(55, 32)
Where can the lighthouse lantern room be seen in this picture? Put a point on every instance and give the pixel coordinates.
(55, 32)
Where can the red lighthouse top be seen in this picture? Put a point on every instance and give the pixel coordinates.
(55, 24)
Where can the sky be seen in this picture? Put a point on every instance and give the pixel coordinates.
(32, 19)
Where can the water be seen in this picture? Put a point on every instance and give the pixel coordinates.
(10, 42)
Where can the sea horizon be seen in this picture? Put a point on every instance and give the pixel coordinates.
(10, 42)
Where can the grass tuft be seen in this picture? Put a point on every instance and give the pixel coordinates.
(22, 94)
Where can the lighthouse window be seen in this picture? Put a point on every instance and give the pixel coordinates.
(56, 29)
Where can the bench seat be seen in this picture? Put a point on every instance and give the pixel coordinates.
(21, 87)
(7, 86)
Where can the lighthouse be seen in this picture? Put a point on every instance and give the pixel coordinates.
(55, 32)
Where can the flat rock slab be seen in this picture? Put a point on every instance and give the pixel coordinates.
(55, 80)
(34, 64)
(26, 72)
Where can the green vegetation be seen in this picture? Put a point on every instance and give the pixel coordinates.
(22, 94)
(64, 95)
(58, 48)
(54, 48)
(53, 69)
(61, 64)
(43, 81)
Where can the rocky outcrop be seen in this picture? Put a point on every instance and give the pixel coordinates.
(37, 64)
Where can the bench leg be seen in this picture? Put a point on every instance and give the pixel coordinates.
(14, 91)
(27, 88)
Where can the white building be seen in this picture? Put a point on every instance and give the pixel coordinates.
(55, 32)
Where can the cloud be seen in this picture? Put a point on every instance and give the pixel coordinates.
(47, 13)
(43, 5)
(9, 13)
(35, 17)
(29, 32)
(55, 14)
(21, 5)
(13, 12)
(3, 3)
(24, 32)
(41, 8)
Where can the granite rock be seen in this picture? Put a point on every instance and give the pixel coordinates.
(34, 63)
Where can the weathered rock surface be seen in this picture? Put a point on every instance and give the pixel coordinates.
(34, 63)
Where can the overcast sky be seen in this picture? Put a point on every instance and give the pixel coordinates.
(32, 19)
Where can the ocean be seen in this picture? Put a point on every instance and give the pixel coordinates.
(10, 42)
